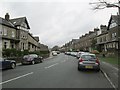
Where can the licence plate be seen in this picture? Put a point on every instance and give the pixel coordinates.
(89, 67)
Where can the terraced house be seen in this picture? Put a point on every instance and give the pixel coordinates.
(104, 39)
(15, 34)
(108, 39)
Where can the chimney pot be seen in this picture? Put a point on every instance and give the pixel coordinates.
(7, 16)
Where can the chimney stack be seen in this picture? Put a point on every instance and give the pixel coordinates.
(7, 16)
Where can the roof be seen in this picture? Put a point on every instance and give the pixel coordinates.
(18, 21)
(5, 22)
(14, 22)
(75, 40)
(103, 34)
(115, 18)
(32, 37)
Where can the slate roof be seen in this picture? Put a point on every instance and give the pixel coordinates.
(115, 18)
(18, 21)
(14, 22)
(5, 22)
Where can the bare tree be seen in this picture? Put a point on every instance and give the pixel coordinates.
(102, 4)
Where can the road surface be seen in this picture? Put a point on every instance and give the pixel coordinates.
(55, 72)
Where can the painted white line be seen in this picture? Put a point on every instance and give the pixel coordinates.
(108, 79)
(16, 78)
(51, 65)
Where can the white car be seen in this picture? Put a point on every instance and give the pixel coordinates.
(54, 53)
(79, 54)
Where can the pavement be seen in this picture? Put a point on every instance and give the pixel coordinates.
(55, 72)
(111, 73)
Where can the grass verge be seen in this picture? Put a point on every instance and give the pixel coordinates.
(111, 60)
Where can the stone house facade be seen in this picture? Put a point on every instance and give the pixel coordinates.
(14, 33)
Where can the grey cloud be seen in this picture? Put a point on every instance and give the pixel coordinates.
(57, 22)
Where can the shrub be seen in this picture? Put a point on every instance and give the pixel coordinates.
(95, 52)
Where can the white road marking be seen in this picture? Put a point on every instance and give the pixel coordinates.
(108, 79)
(51, 65)
(16, 78)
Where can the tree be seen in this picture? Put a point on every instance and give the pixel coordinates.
(55, 48)
(102, 4)
(93, 45)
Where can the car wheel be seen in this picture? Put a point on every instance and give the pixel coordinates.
(33, 62)
(41, 61)
(13, 65)
(98, 70)
(78, 69)
(22, 63)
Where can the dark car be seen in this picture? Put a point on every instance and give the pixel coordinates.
(31, 59)
(6, 64)
(88, 61)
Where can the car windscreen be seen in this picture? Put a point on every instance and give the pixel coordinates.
(31, 55)
(86, 57)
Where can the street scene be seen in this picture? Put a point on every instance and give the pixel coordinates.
(56, 72)
(59, 44)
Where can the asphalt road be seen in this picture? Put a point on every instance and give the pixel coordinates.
(56, 72)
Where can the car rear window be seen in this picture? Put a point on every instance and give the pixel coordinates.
(88, 57)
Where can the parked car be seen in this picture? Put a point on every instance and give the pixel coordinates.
(79, 54)
(7, 64)
(74, 54)
(67, 53)
(88, 61)
(31, 59)
(58, 52)
(54, 53)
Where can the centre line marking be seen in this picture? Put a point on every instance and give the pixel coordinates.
(16, 78)
(51, 65)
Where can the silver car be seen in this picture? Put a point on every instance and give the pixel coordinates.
(88, 61)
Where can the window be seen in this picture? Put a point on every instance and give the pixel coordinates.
(113, 25)
(5, 31)
(23, 46)
(12, 45)
(5, 45)
(13, 34)
(116, 45)
(105, 38)
(113, 35)
(32, 46)
(1, 32)
(100, 39)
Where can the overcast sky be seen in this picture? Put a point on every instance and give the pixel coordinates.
(56, 22)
